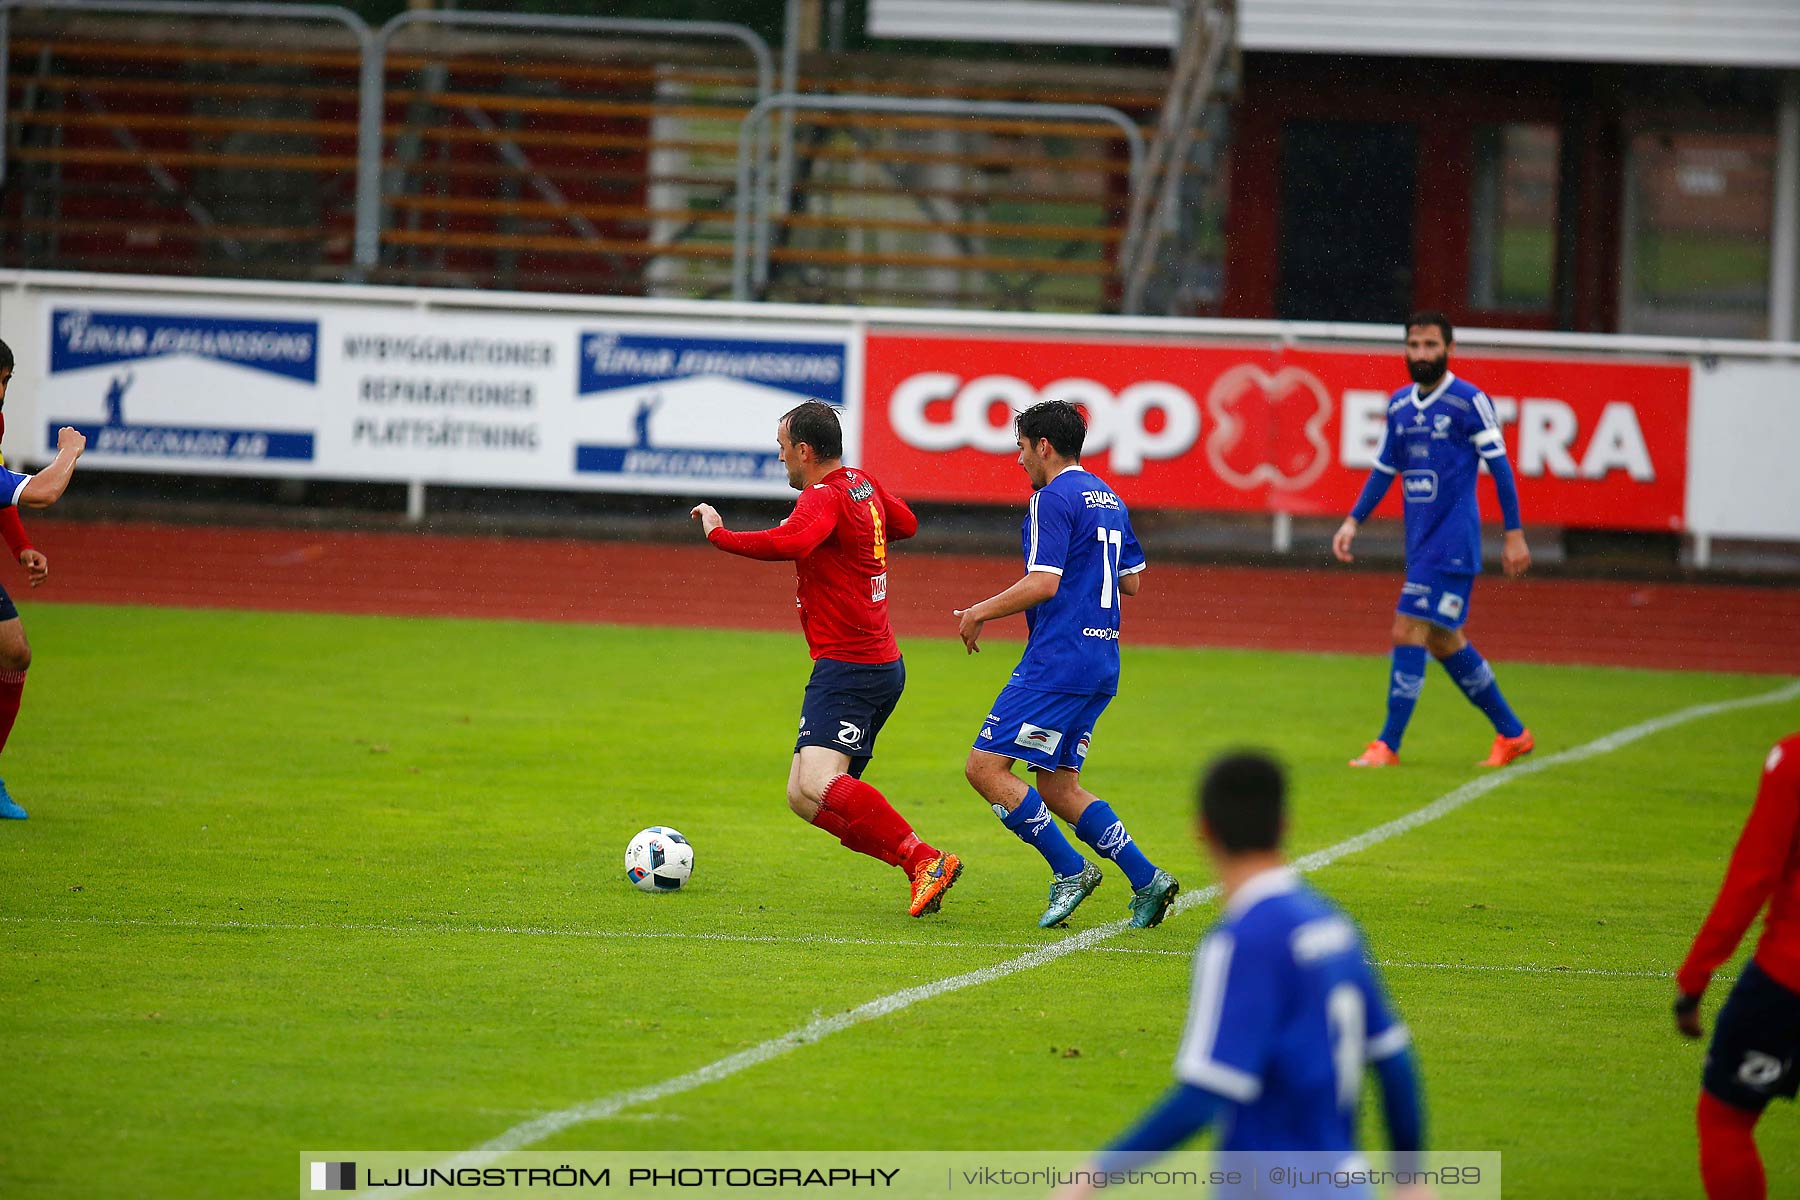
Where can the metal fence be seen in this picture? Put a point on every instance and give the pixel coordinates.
(541, 152)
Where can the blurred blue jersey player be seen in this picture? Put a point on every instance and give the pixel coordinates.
(1439, 431)
(1081, 558)
(1285, 1016)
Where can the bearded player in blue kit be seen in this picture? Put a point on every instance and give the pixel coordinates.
(1080, 559)
(1438, 433)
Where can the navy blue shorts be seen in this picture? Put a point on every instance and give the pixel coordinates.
(846, 705)
(1755, 1051)
(1441, 597)
(8, 610)
(1049, 731)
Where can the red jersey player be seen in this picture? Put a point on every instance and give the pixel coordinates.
(837, 537)
(1754, 1049)
(15, 651)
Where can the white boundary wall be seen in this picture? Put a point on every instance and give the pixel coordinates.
(623, 394)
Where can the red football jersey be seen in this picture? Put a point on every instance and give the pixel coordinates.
(837, 536)
(1765, 867)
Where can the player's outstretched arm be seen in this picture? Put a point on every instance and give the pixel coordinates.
(47, 486)
(1029, 592)
(811, 522)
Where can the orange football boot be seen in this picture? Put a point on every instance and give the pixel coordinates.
(1376, 754)
(1506, 749)
(931, 881)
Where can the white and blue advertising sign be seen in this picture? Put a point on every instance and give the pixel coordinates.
(168, 385)
(684, 410)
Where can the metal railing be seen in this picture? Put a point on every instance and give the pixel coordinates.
(366, 233)
(750, 240)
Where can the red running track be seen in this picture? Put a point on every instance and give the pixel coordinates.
(1683, 626)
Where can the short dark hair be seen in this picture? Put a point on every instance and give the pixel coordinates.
(1431, 316)
(816, 424)
(1243, 799)
(1056, 420)
(6, 356)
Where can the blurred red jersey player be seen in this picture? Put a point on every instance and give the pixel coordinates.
(1755, 1048)
(837, 537)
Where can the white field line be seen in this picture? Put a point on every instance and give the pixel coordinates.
(539, 1128)
(759, 939)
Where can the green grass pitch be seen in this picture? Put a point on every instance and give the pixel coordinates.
(302, 882)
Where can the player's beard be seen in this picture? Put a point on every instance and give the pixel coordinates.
(1425, 371)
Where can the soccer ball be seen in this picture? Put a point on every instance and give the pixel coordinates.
(659, 860)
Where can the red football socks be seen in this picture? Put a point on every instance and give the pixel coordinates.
(1730, 1167)
(12, 689)
(861, 818)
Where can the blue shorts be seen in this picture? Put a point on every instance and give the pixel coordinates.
(1441, 597)
(8, 610)
(846, 705)
(1755, 1052)
(1049, 731)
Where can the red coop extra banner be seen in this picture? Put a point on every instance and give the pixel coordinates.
(1595, 442)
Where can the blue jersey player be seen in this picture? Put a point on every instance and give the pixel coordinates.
(1285, 1016)
(1080, 559)
(1439, 431)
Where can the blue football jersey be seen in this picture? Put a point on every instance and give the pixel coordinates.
(1077, 528)
(11, 484)
(1285, 1014)
(1435, 444)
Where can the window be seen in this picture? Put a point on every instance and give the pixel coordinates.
(1512, 229)
(1699, 213)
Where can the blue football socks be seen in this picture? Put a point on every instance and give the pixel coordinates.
(1476, 679)
(1037, 828)
(1101, 828)
(1405, 681)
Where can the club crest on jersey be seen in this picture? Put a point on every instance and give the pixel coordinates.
(1036, 737)
(1440, 425)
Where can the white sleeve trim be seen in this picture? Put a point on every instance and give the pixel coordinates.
(1485, 437)
(1383, 467)
(1031, 552)
(1228, 1082)
(1041, 569)
(1133, 570)
(20, 490)
(1495, 452)
(1391, 1041)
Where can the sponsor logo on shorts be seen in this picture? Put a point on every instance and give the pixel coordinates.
(1081, 747)
(1759, 1070)
(1422, 602)
(1450, 605)
(849, 733)
(1036, 737)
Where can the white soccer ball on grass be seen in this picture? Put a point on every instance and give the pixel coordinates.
(659, 860)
